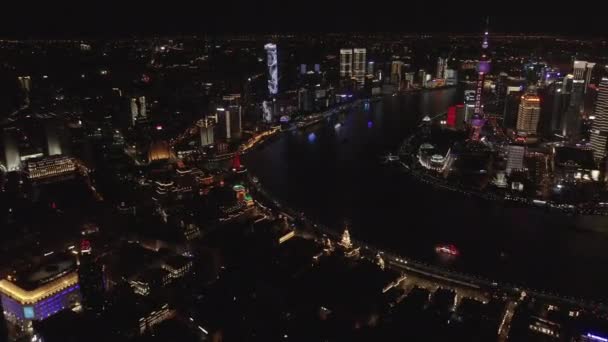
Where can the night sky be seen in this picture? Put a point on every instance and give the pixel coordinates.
(91, 19)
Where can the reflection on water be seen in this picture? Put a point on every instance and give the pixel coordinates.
(334, 175)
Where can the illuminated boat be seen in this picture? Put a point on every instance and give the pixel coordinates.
(447, 249)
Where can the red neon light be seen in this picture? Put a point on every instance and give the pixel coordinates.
(451, 120)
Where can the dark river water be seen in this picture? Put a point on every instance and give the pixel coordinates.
(332, 172)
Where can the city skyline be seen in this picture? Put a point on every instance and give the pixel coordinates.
(159, 186)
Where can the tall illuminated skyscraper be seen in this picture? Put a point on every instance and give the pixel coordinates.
(441, 65)
(528, 114)
(599, 129)
(142, 106)
(273, 71)
(579, 70)
(206, 132)
(359, 62)
(233, 111)
(11, 149)
(52, 138)
(483, 68)
(134, 110)
(346, 62)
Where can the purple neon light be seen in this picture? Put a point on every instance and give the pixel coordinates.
(597, 338)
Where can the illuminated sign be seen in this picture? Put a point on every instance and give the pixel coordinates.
(28, 312)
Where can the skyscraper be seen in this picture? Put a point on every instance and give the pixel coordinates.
(346, 63)
(588, 74)
(273, 71)
(396, 72)
(25, 83)
(441, 66)
(52, 138)
(528, 114)
(206, 132)
(134, 110)
(599, 129)
(142, 106)
(515, 158)
(11, 149)
(359, 63)
(90, 279)
(579, 70)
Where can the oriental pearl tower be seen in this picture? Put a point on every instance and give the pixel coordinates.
(483, 68)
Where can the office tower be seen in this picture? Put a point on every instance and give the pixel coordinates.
(302, 69)
(206, 127)
(52, 138)
(579, 70)
(528, 114)
(90, 278)
(588, 74)
(12, 157)
(273, 68)
(451, 77)
(142, 106)
(560, 100)
(346, 63)
(134, 110)
(571, 123)
(396, 72)
(599, 129)
(483, 68)
(25, 84)
(441, 66)
(233, 116)
(304, 100)
(359, 63)
(422, 76)
(515, 158)
(317, 68)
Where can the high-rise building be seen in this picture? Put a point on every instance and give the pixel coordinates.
(515, 158)
(134, 110)
(528, 114)
(396, 72)
(571, 123)
(90, 278)
(52, 138)
(206, 127)
(25, 83)
(599, 129)
(142, 106)
(273, 68)
(451, 77)
(441, 66)
(11, 149)
(233, 116)
(579, 70)
(359, 63)
(302, 69)
(346, 63)
(588, 74)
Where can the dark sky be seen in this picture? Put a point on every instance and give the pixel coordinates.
(98, 18)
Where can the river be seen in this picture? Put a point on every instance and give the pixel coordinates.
(331, 171)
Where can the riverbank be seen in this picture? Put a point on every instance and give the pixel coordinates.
(407, 153)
